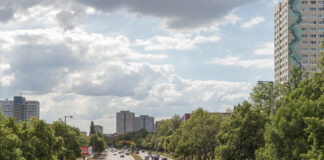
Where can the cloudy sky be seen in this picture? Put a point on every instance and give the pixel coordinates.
(92, 58)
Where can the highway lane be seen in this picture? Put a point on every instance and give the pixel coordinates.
(143, 155)
(110, 156)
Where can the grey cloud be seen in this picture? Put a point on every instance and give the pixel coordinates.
(9, 7)
(39, 68)
(178, 14)
(6, 14)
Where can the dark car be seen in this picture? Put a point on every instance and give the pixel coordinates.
(122, 156)
(164, 158)
(137, 152)
(146, 158)
(156, 157)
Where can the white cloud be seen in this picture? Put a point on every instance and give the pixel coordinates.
(247, 63)
(266, 48)
(177, 42)
(254, 21)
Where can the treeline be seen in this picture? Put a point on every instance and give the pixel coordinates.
(97, 140)
(294, 131)
(37, 140)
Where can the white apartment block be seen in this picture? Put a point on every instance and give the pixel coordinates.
(298, 35)
(20, 108)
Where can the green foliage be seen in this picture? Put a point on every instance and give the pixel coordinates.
(193, 138)
(297, 131)
(133, 146)
(71, 141)
(242, 133)
(37, 140)
(98, 143)
(9, 142)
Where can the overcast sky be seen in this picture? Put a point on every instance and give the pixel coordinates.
(93, 58)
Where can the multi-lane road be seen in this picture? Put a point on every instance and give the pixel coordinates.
(110, 155)
(144, 154)
(114, 154)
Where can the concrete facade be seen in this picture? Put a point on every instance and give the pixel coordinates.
(144, 122)
(98, 129)
(20, 108)
(298, 34)
(127, 122)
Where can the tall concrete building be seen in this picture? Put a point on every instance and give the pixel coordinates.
(125, 122)
(98, 129)
(298, 34)
(20, 108)
(144, 122)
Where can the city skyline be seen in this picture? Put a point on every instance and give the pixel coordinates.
(91, 59)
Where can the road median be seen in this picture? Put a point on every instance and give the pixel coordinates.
(135, 156)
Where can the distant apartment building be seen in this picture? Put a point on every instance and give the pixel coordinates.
(298, 35)
(98, 129)
(20, 108)
(144, 122)
(127, 122)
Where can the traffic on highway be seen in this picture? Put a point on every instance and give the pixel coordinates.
(125, 154)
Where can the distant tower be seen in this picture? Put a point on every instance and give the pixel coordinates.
(125, 122)
(298, 34)
(20, 109)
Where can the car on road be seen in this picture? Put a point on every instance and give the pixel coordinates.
(164, 158)
(146, 158)
(127, 153)
(156, 157)
(137, 152)
(122, 156)
(143, 151)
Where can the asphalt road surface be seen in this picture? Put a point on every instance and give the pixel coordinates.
(110, 156)
(142, 155)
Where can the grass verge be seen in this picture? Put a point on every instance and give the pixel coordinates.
(169, 156)
(136, 157)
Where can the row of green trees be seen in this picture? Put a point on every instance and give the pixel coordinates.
(97, 140)
(295, 131)
(38, 140)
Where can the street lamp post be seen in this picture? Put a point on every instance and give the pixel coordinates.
(67, 117)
